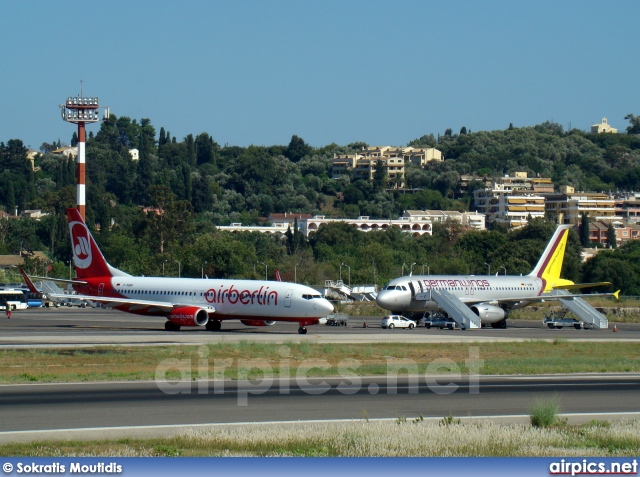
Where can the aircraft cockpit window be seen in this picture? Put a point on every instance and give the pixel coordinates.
(390, 287)
(311, 297)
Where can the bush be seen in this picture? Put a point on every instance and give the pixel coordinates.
(544, 413)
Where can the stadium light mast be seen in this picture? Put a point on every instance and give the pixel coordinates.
(80, 110)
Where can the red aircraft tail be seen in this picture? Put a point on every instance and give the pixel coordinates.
(32, 288)
(87, 257)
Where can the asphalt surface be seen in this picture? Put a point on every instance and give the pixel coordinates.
(90, 405)
(100, 410)
(75, 326)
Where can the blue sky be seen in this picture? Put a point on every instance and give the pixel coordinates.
(257, 72)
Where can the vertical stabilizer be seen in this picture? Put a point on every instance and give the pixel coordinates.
(549, 266)
(87, 257)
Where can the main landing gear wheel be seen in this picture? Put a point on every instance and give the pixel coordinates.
(213, 325)
(302, 330)
(171, 326)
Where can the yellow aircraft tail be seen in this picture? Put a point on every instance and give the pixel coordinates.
(549, 266)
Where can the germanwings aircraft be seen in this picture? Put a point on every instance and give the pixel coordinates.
(477, 300)
(189, 301)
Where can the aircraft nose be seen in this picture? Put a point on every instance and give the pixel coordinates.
(383, 300)
(326, 307)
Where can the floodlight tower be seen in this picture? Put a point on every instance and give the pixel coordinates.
(80, 110)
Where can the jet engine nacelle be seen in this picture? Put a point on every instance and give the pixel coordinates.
(189, 316)
(257, 322)
(489, 313)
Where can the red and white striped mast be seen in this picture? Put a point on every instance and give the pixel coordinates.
(80, 110)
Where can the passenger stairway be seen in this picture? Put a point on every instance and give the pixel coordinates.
(456, 310)
(581, 309)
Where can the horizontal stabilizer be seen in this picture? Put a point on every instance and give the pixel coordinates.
(61, 280)
(578, 286)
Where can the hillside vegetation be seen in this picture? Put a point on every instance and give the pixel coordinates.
(200, 184)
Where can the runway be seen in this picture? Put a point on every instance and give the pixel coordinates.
(87, 327)
(98, 410)
(108, 405)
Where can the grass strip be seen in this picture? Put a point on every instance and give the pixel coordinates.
(402, 438)
(247, 360)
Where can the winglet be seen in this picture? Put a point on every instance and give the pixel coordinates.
(616, 294)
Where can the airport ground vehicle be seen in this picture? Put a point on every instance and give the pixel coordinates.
(337, 319)
(556, 320)
(14, 299)
(397, 321)
(437, 320)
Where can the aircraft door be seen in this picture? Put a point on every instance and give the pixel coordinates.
(101, 289)
(287, 298)
(413, 290)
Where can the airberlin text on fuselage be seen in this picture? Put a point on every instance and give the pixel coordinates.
(245, 297)
(456, 283)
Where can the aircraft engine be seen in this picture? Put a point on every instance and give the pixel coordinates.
(189, 316)
(489, 313)
(257, 322)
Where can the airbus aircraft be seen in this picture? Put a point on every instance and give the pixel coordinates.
(489, 298)
(186, 301)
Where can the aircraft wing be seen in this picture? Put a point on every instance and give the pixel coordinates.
(543, 297)
(125, 301)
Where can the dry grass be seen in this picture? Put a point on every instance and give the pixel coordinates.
(402, 438)
(141, 363)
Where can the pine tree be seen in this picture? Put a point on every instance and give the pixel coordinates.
(611, 236)
(584, 230)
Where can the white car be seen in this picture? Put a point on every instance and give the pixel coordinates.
(397, 321)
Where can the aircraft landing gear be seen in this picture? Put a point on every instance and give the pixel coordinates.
(500, 324)
(302, 330)
(171, 326)
(213, 325)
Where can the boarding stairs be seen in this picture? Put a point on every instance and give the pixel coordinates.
(50, 288)
(456, 309)
(355, 293)
(581, 309)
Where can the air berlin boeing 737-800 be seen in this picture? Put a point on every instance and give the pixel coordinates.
(189, 301)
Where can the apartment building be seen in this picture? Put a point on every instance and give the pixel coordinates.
(366, 224)
(422, 155)
(598, 232)
(509, 208)
(364, 164)
(567, 206)
(472, 220)
(628, 209)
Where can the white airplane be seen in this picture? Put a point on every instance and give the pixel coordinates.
(476, 300)
(189, 301)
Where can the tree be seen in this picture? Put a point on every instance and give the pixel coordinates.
(611, 236)
(463, 130)
(380, 176)
(206, 149)
(634, 128)
(170, 220)
(585, 240)
(297, 149)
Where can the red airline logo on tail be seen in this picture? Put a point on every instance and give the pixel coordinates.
(80, 244)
